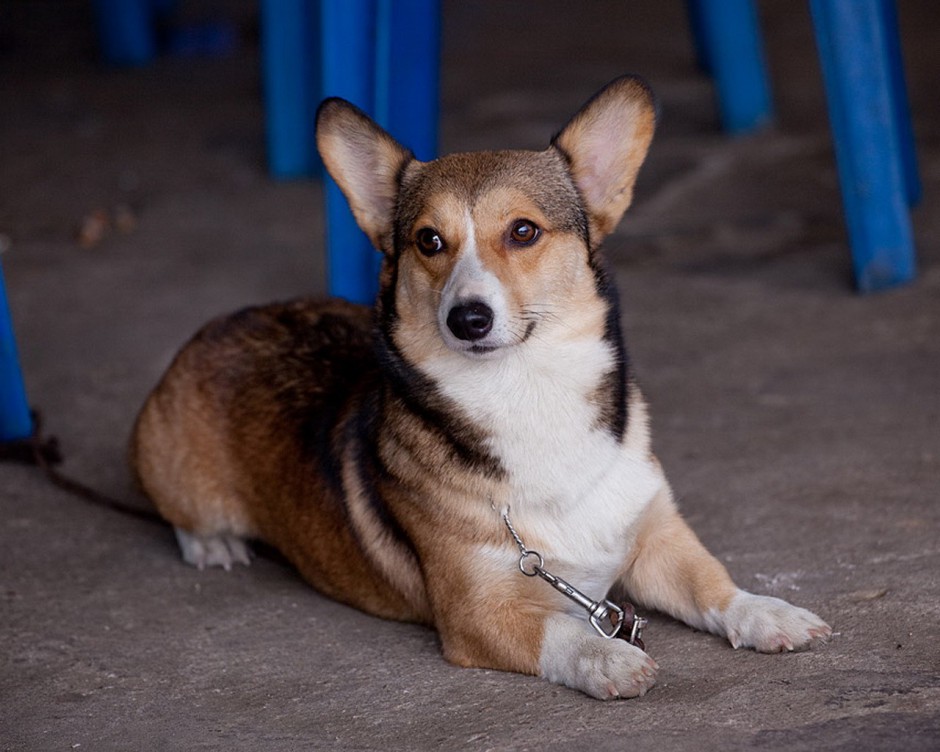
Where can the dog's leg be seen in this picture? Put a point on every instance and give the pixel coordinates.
(519, 627)
(179, 455)
(671, 571)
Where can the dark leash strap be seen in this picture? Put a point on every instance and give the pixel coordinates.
(44, 453)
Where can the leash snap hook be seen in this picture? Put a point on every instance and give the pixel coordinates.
(607, 618)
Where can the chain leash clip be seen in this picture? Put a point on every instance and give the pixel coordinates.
(605, 616)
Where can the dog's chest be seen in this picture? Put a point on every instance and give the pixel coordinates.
(539, 410)
(573, 487)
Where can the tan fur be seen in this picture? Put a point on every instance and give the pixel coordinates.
(670, 570)
(608, 184)
(320, 428)
(554, 272)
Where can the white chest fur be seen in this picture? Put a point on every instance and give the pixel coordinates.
(574, 490)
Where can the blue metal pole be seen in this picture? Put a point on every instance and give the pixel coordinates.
(15, 420)
(702, 43)
(126, 31)
(347, 35)
(856, 72)
(728, 40)
(407, 72)
(291, 77)
(900, 103)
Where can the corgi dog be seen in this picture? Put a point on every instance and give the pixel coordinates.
(402, 456)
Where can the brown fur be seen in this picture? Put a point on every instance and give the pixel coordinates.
(233, 440)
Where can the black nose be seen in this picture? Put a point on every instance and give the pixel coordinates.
(470, 321)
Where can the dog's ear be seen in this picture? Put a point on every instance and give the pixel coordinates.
(365, 161)
(605, 143)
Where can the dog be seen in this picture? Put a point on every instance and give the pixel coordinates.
(410, 459)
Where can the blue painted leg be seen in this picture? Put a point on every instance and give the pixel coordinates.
(901, 104)
(291, 75)
(15, 420)
(849, 34)
(126, 31)
(407, 72)
(729, 44)
(384, 57)
(701, 40)
(348, 50)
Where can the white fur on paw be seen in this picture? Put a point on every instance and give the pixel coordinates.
(770, 625)
(212, 550)
(573, 654)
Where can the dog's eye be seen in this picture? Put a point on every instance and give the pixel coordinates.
(524, 232)
(429, 242)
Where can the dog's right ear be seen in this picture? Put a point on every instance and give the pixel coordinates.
(604, 144)
(366, 162)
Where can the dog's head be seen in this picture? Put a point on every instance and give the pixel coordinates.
(485, 251)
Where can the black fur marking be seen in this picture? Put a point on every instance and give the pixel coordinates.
(341, 356)
(615, 386)
(360, 432)
(316, 433)
(420, 396)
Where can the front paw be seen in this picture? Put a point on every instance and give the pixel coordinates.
(770, 625)
(573, 655)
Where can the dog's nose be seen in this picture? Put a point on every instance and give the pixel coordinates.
(470, 321)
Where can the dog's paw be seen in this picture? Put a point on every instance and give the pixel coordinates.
(574, 655)
(770, 625)
(212, 550)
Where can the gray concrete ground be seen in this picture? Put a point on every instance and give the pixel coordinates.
(799, 423)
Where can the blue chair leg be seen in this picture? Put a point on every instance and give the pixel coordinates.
(382, 56)
(901, 104)
(407, 72)
(15, 420)
(291, 75)
(347, 35)
(701, 40)
(126, 31)
(858, 80)
(729, 47)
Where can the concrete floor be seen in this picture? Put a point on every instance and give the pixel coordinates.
(799, 423)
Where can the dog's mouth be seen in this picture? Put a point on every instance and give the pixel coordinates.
(483, 349)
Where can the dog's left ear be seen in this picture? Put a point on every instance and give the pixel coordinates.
(605, 143)
(365, 161)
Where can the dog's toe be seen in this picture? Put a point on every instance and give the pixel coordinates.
(212, 550)
(630, 673)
